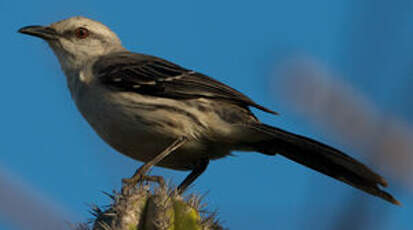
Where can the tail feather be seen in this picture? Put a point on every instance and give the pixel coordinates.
(322, 158)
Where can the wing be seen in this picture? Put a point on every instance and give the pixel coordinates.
(153, 76)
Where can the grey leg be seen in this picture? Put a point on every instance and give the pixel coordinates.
(196, 172)
(140, 173)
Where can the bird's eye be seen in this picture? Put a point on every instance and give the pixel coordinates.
(81, 33)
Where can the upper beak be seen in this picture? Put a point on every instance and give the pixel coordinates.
(44, 32)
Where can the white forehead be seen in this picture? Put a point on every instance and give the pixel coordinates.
(78, 21)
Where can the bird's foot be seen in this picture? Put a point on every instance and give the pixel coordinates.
(130, 183)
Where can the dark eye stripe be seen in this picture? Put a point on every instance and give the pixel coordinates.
(71, 34)
(67, 34)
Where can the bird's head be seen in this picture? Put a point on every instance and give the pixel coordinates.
(76, 40)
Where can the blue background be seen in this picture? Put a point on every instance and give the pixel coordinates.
(50, 152)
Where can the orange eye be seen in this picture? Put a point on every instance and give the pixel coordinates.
(81, 33)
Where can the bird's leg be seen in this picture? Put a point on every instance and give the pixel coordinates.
(140, 173)
(196, 172)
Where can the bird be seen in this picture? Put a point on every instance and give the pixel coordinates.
(162, 114)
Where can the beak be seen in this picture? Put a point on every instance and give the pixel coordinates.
(43, 32)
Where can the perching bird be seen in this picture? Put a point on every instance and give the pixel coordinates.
(163, 114)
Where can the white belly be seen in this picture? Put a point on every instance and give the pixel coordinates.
(137, 132)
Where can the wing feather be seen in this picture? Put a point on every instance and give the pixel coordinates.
(150, 75)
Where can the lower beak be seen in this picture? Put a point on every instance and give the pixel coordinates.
(44, 32)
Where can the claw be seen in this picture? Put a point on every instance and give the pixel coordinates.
(129, 183)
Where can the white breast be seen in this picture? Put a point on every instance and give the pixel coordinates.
(142, 126)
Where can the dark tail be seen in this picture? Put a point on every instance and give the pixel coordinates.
(322, 158)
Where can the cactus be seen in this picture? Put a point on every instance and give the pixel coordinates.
(160, 208)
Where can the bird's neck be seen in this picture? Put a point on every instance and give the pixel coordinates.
(79, 77)
(72, 64)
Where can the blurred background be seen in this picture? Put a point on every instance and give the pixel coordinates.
(337, 71)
